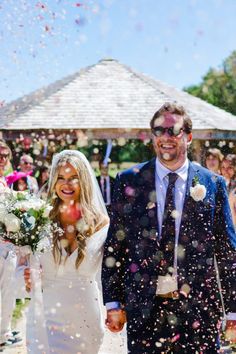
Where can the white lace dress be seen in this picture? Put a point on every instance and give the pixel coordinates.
(67, 316)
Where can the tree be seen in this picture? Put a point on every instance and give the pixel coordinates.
(218, 86)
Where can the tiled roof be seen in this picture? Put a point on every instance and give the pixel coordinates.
(106, 95)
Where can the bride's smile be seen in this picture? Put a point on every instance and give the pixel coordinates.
(67, 185)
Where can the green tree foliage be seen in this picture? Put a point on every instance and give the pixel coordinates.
(132, 150)
(218, 86)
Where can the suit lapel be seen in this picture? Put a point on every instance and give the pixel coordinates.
(147, 198)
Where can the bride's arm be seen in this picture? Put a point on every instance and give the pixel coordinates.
(103, 222)
(94, 243)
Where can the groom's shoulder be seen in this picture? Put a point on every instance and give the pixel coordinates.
(207, 174)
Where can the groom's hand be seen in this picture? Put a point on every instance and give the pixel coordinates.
(115, 320)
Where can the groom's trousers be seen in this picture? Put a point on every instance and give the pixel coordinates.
(173, 328)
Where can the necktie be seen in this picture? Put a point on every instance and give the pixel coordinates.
(105, 189)
(167, 242)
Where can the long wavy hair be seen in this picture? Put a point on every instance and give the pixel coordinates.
(92, 218)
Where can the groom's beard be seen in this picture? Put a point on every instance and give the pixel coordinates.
(172, 158)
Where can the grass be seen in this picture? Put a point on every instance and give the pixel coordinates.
(21, 304)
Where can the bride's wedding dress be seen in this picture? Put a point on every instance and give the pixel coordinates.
(66, 316)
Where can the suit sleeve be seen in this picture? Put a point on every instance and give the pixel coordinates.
(114, 260)
(225, 247)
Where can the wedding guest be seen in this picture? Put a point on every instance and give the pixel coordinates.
(228, 166)
(17, 180)
(106, 183)
(26, 165)
(20, 184)
(5, 156)
(69, 320)
(169, 219)
(213, 160)
(42, 178)
(8, 261)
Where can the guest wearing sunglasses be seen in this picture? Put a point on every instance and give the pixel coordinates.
(169, 219)
(27, 166)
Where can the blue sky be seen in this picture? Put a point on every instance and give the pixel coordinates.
(175, 41)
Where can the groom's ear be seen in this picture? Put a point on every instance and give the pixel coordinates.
(189, 138)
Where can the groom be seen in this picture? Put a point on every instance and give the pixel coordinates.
(170, 222)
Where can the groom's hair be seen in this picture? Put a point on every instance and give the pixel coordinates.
(174, 108)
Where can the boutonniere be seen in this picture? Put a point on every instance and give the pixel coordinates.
(198, 191)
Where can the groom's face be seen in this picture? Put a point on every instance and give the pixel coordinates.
(170, 141)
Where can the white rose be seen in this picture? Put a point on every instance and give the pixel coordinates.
(22, 205)
(2, 188)
(37, 204)
(12, 223)
(198, 192)
(47, 211)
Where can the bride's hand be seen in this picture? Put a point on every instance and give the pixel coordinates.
(27, 279)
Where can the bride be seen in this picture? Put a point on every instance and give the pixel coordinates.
(65, 316)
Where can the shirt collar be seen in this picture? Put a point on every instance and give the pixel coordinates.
(163, 171)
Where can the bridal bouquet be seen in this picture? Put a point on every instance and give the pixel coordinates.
(24, 220)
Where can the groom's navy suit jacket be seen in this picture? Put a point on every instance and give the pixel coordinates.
(131, 256)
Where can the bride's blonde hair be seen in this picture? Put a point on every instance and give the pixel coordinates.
(92, 218)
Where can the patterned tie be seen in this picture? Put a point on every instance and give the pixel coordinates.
(105, 190)
(167, 242)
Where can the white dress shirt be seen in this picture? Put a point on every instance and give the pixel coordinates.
(161, 181)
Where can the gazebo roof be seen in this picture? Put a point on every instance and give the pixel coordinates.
(108, 95)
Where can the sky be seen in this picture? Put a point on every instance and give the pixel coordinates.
(175, 41)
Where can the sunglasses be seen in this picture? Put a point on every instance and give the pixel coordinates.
(27, 163)
(172, 131)
(4, 156)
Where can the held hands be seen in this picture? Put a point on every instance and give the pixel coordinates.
(230, 330)
(27, 278)
(115, 320)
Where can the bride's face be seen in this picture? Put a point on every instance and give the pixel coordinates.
(67, 186)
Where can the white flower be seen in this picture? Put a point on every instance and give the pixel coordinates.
(23, 205)
(37, 203)
(12, 223)
(198, 192)
(2, 189)
(3, 213)
(47, 211)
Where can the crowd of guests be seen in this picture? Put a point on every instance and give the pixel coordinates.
(225, 166)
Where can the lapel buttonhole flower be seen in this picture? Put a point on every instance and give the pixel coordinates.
(198, 191)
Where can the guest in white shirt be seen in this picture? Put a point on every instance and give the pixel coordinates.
(106, 184)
